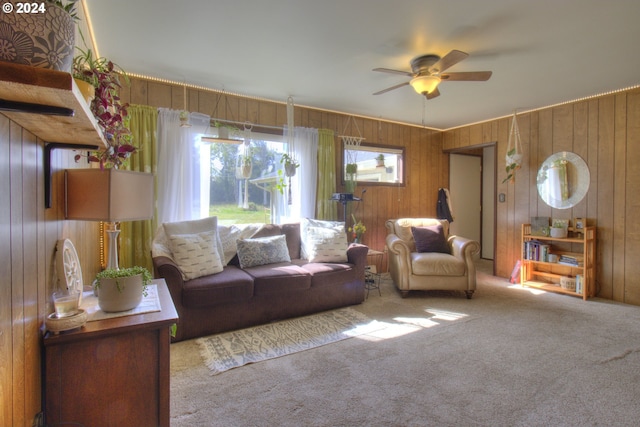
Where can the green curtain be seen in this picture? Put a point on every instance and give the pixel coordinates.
(136, 236)
(326, 208)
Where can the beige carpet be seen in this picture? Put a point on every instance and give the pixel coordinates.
(511, 356)
(229, 350)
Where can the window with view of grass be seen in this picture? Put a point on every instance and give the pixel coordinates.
(240, 195)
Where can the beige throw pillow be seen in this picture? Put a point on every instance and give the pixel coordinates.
(323, 241)
(196, 254)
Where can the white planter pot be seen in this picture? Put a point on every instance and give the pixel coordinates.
(120, 294)
(558, 233)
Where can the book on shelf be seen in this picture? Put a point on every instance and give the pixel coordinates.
(574, 261)
(535, 250)
(579, 283)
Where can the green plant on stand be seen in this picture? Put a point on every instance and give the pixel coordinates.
(351, 177)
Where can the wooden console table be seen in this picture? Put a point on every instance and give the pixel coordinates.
(111, 372)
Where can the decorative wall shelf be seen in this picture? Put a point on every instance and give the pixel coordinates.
(41, 100)
(48, 104)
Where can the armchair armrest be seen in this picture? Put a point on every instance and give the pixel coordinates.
(462, 247)
(465, 249)
(399, 261)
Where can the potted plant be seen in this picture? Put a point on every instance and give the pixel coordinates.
(514, 161)
(121, 289)
(380, 160)
(247, 166)
(110, 113)
(43, 38)
(351, 177)
(357, 230)
(559, 229)
(290, 164)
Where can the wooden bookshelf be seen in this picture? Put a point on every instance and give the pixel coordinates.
(540, 273)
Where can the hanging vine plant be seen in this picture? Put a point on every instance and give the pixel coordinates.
(513, 158)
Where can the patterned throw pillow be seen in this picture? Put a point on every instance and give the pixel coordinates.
(195, 226)
(323, 241)
(196, 254)
(326, 244)
(262, 251)
(430, 239)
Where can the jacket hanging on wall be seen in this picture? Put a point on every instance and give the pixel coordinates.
(443, 209)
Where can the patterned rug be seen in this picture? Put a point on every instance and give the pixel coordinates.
(230, 350)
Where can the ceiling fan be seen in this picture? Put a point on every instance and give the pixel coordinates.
(427, 73)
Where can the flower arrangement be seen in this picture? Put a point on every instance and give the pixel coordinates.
(358, 229)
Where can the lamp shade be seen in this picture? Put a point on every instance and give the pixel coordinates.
(111, 195)
(425, 84)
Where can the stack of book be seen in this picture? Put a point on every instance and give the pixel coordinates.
(572, 260)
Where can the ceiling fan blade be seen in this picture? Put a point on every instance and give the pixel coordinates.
(391, 88)
(388, 70)
(433, 94)
(447, 61)
(469, 76)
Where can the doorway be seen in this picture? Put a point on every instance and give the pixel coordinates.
(472, 191)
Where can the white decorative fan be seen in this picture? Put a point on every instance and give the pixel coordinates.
(68, 266)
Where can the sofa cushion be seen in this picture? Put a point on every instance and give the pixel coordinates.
(232, 284)
(323, 241)
(262, 251)
(277, 278)
(329, 274)
(196, 254)
(436, 264)
(430, 239)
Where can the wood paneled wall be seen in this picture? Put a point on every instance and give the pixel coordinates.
(426, 165)
(28, 237)
(29, 232)
(605, 132)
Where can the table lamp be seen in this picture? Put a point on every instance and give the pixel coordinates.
(109, 195)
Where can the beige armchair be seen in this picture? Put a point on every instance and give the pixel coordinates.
(412, 270)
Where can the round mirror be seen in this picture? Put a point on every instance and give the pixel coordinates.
(563, 180)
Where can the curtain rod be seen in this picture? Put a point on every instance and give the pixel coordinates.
(247, 123)
(235, 122)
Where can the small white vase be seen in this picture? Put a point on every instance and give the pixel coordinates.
(120, 294)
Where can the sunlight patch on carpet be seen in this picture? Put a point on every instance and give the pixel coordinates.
(233, 349)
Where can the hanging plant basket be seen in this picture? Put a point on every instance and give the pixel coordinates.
(513, 158)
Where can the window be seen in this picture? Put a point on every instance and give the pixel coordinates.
(243, 178)
(373, 164)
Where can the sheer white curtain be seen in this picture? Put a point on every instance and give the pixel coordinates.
(181, 185)
(304, 183)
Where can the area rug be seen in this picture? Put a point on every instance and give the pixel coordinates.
(230, 350)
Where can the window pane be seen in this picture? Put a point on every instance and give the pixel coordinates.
(242, 180)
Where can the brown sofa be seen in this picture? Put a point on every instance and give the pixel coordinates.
(237, 298)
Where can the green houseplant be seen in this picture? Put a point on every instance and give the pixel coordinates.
(351, 170)
(290, 166)
(121, 289)
(106, 106)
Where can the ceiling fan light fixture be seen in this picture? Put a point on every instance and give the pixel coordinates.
(425, 84)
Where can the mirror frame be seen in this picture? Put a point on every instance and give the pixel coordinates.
(378, 148)
(577, 190)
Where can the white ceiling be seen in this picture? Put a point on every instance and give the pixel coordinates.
(321, 53)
